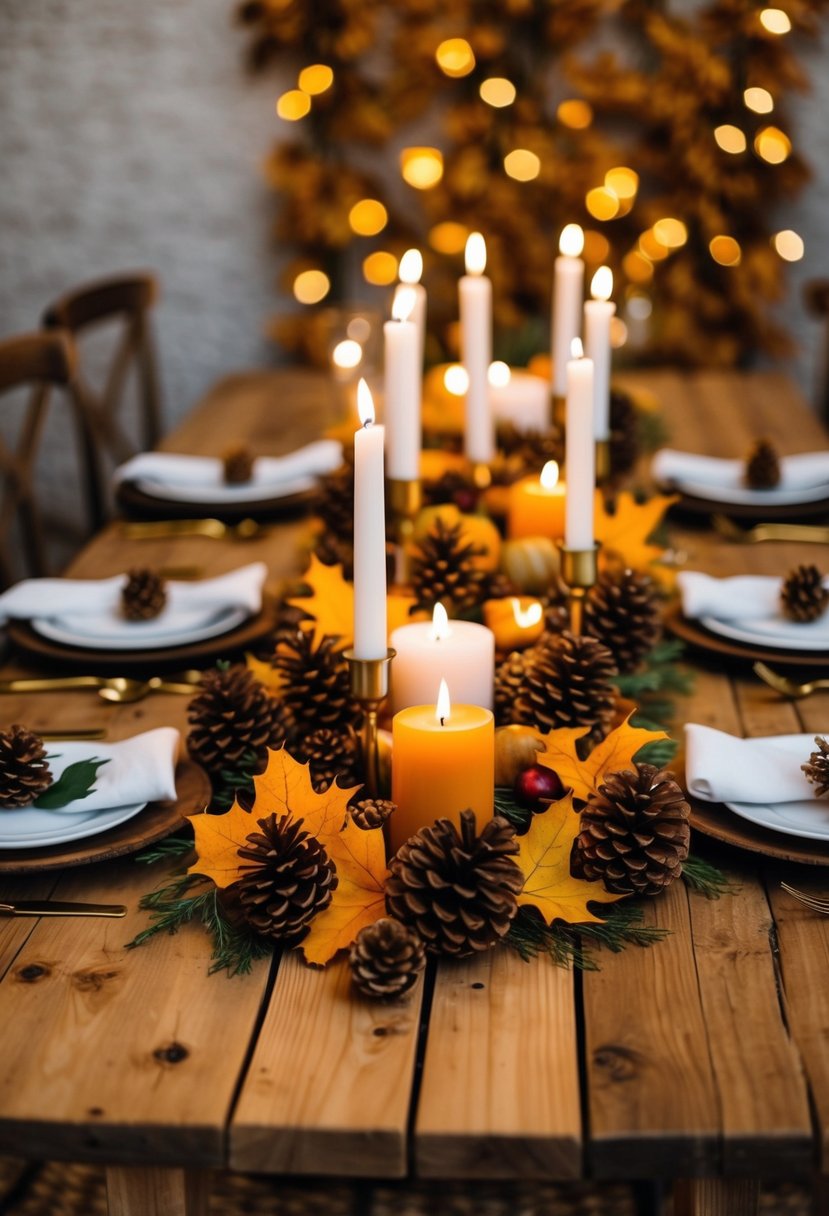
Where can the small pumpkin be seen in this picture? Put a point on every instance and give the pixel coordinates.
(531, 563)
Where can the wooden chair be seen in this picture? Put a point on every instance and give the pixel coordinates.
(126, 301)
(43, 362)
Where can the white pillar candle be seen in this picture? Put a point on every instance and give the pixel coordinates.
(402, 390)
(518, 397)
(475, 296)
(411, 269)
(369, 534)
(460, 651)
(568, 293)
(598, 313)
(581, 452)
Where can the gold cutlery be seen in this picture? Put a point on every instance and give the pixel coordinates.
(72, 736)
(110, 688)
(810, 533)
(811, 901)
(122, 690)
(34, 907)
(215, 529)
(789, 688)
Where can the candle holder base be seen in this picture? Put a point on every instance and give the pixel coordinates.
(404, 498)
(579, 568)
(369, 685)
(558, 406)
(481, 475)
(603, 469)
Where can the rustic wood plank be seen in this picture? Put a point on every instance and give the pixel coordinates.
(115, 1055)
(328, 1088)
(143, 1191)
(15, 931)
(716, 1197)
(500, 1090)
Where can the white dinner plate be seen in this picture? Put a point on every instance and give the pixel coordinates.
(773, 631)
(744, 497)
(105, 631)
(251, 492)
(31, 828)
(809, 819)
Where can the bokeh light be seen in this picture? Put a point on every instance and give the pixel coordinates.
(421, 167)
(730, 138)
(789, 244)
(622, 181)
(603, 204)
(772, 145)
(497, 91)
(456, 380)
(637, 267)
(448, 237)
(316, 78)
(455, 57)
(575, 114)
(522, 164)
(725, 251)
(670, 232)
(311, 286)
(347, 354)
(596, 246)
(293, 105)
(368, 217)
(775, 21)
(759, 100)
(380, 268)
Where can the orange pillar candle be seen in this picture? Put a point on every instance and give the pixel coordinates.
(443, 761)
(536, 505)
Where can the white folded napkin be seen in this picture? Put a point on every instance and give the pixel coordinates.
(291, 474)
(743, 597)
(799, 472)
(722, 768)
(140, 769)
(68, 597)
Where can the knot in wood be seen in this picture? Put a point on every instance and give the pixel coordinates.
(93, 979)
(173, 1053)
(617, 1063)
(32, 972)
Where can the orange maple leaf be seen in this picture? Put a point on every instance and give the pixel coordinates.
(624, 535)
(613, 754)
(269, 676)
(331, 604)
(544, 859)
(359, 898)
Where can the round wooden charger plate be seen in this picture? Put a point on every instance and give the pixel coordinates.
(126, 662)
(773, 513)
(157, 820)
(718, 822)
(137, 502)
(694, 634)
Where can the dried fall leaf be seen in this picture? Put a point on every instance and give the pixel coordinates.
(331, 602)
(613, 754)
(624, 535)
(544, 859)
(269, 676)
(359, 898)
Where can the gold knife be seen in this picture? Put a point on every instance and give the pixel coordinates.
(34, 907)
(72, 736)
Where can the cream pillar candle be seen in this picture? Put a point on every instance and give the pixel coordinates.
(475, 298)
(369, 534)
(460, 651)
(402, 391)
(598, 314)
(568, 292)
(411, 269)
(580, 463)
(519, 397)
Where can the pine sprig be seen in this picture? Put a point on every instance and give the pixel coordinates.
(575, 945)
(232, 782)
(709, 881)
(170, 847)
(506, 805)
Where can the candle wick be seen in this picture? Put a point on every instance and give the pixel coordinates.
(443, 721)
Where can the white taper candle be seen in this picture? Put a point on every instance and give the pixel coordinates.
(402, 389)
(568, 292)
(370, 634)
(580, 452)
(475, 297)
(598, 314)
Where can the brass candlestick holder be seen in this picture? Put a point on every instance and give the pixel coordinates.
(481, 474)
(369, 682)
(578, 570)
(404, 499)
(603, 461)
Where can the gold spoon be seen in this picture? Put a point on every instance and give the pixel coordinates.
(789, 688)
(215, 529)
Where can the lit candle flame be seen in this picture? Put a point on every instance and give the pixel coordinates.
(576, 349)
(475, 253)
(443, 707)
(549, 475)
(601, 285)
(571, 241)
(411, 266)
(525, 618)
(365, 403)
(440, 624)
(347, 354)
(404, 302)
(498, 374)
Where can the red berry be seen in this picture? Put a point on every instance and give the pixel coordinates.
(538, 783)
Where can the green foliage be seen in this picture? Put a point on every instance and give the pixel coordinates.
(76, 782)
(701, 876)
(576, 945)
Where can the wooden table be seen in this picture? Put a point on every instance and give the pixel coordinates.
(702, 1058)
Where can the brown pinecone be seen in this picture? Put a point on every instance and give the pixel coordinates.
(238, 465)
(143, 595)
(529, 451)
(332, 755)
(625, 441)
(762, 466)
(371, 812)
(386, 959)
(622, 611)
(803, 596)
(509, 680)
(233, 715)
(568, 682)
(335, 505)
(24, 769)
(452, 486)
(635, 832)
(335, 551)
(289, 880)
(458, 890)
(817, 769)
(316, 685)
(444, 570)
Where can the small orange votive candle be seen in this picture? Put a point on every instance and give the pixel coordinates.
(443, 762)
(516, 621)
(536, 505)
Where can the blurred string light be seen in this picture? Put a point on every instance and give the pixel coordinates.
(422, 167)
(347, 354)
(311, 286)
(497, 91)
(368, 217)
(789, 245)
(575, 114)
(456, 380)
(670, 232)
(651, 246)
(730, 138)
(775, 21)
(316, 78)
(293, 105)
(772, 145)
(637, 267)
(596, 247)
(522, 164)
(380, 268)
(725, 250)
(602, 203)
(759, 100)
(624, 182)
(455, 57)
(448, 237)
(498, 374)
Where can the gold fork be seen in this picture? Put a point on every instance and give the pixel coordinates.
(789, 688)
(214, 529)
(770, 531)
(811, 901)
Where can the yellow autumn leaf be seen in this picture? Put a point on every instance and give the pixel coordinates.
(613, 754)
(331, 602)
(544, 859)
(359, 898)
(624, 535)
(267, 675)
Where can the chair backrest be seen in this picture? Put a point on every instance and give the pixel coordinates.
(127, 301)
(40, 361)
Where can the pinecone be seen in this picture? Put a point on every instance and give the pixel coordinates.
(238, 465)
(335, 505)
(509, 680)
(762, 466)
(386, 959)
(458, 890)
(621, 610)
(444, 570)
(803, 596)
(143, 595)
(24, 769)
(817, 769)
(289, 880)
(452, 486)
(233, 715)
(556, 607)
(332, 755)
(316, 682)
(499, 586)
(568, 682)
(625, 441)
(529, 451)
(371, 812)
(635, 831)
(335, 551)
